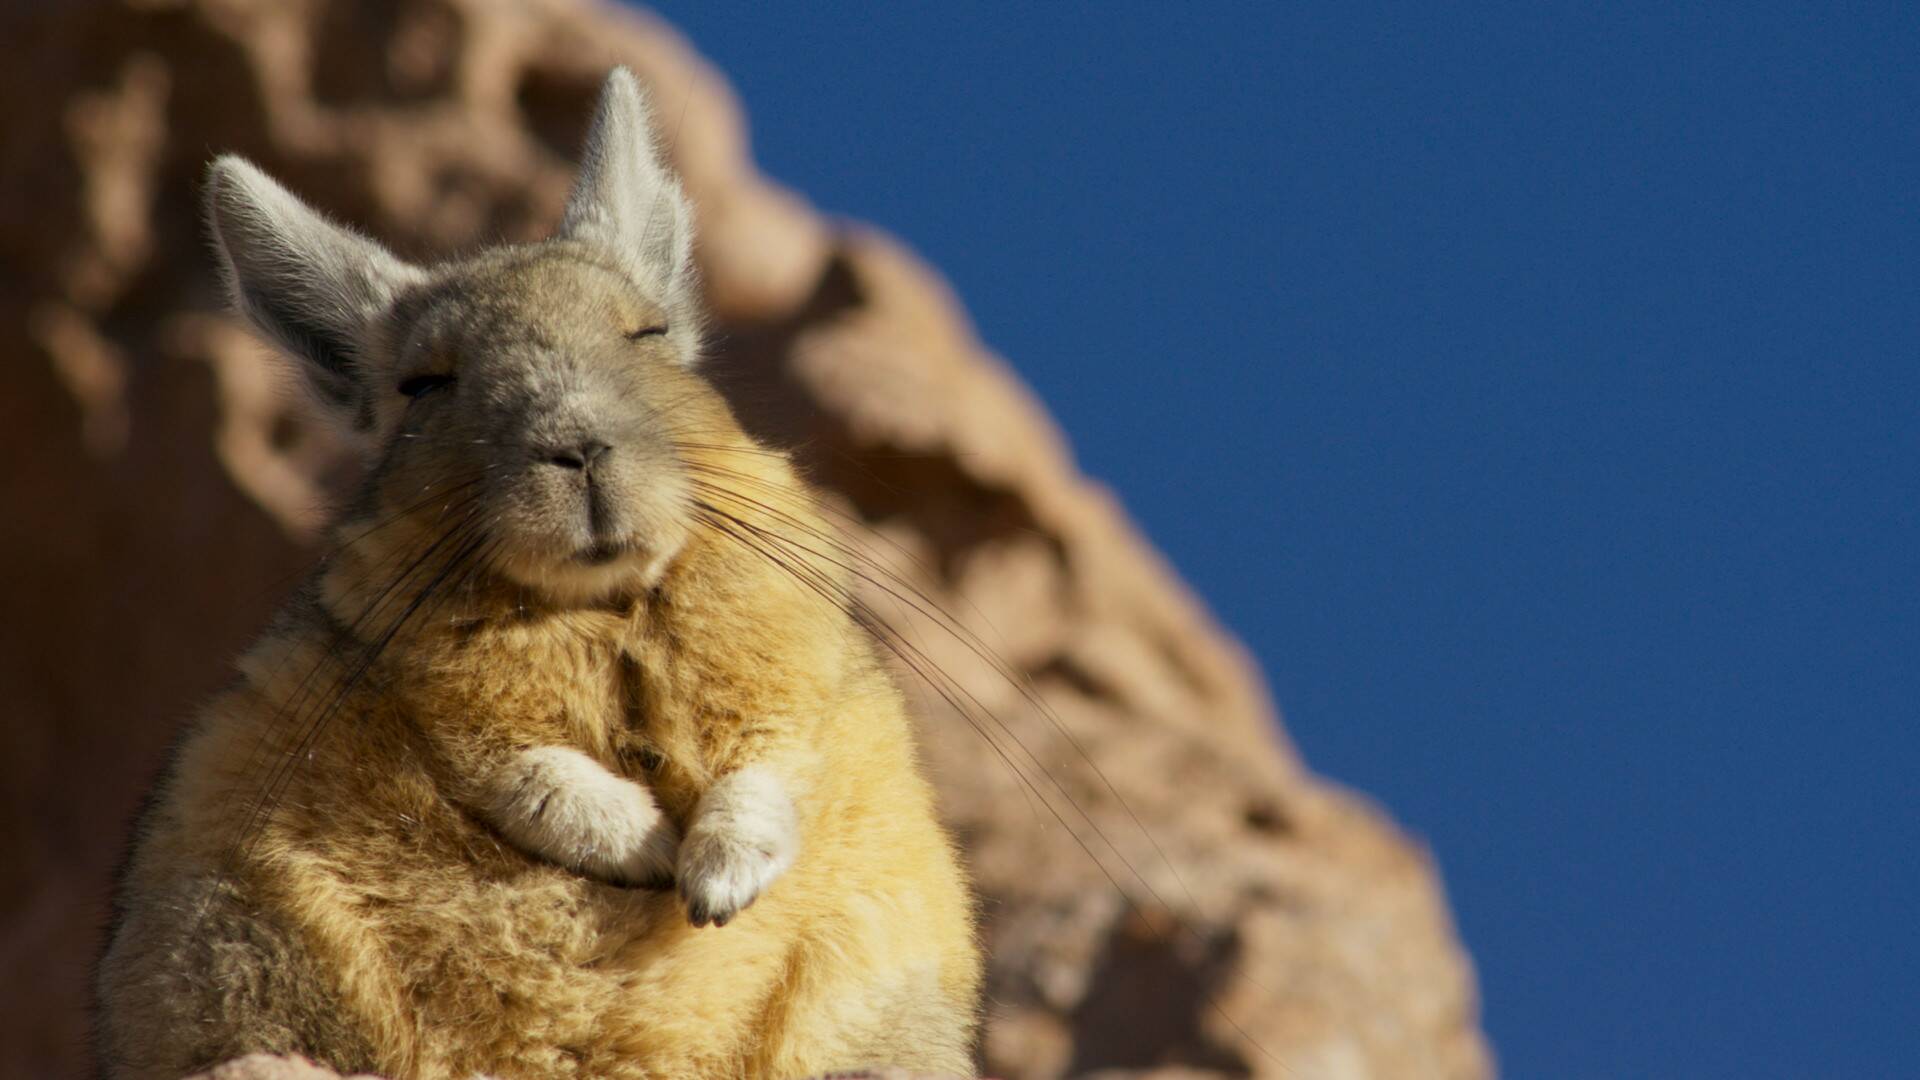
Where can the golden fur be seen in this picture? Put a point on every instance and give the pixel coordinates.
(330, 866)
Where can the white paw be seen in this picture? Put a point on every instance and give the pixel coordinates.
(561, 805)
(744, 835)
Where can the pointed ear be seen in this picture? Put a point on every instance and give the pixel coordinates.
(310, 286)
(628, 204)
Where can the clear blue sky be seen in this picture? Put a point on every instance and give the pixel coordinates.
(1534, 388)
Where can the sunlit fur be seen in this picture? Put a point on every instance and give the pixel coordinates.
(351, 856)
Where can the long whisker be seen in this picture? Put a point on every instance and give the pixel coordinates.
(308, 728)
(725, 449)
(880, 627)
(371, 651)
(447, 488)
(376, 571)
(957, 696)
(920, 601)
(838, 598)
(279, 584)
(926, 605)
(761, 541)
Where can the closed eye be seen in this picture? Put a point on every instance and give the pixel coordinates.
(647, 332)
(419, 385)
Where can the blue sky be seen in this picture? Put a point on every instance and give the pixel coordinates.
(1534, 388)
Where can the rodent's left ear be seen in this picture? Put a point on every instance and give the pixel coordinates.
(627, 202)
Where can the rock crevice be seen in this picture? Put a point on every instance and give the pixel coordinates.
(166, 490)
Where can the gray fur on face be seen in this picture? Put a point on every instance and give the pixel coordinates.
(541, 378)
(627, 203)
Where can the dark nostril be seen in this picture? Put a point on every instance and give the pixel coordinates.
(584, 456)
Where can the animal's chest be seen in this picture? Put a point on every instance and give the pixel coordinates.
(667, 721)
(650, 703)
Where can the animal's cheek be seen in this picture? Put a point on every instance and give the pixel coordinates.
(543, 507)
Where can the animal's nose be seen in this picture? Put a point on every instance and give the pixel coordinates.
(582, 455)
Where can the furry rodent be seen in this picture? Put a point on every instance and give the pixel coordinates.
(560, 765)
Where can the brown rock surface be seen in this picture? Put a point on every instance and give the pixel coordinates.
(163, 491)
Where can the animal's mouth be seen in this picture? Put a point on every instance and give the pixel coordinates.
(602, 552)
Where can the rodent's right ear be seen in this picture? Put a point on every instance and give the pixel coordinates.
(309, 285)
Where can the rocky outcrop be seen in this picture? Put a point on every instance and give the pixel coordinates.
(163, 491)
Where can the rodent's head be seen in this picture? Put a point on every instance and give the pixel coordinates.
(545, 384)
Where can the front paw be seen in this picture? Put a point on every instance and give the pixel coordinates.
(561, 805)
(744, 835)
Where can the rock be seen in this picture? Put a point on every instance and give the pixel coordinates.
(164, 492)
